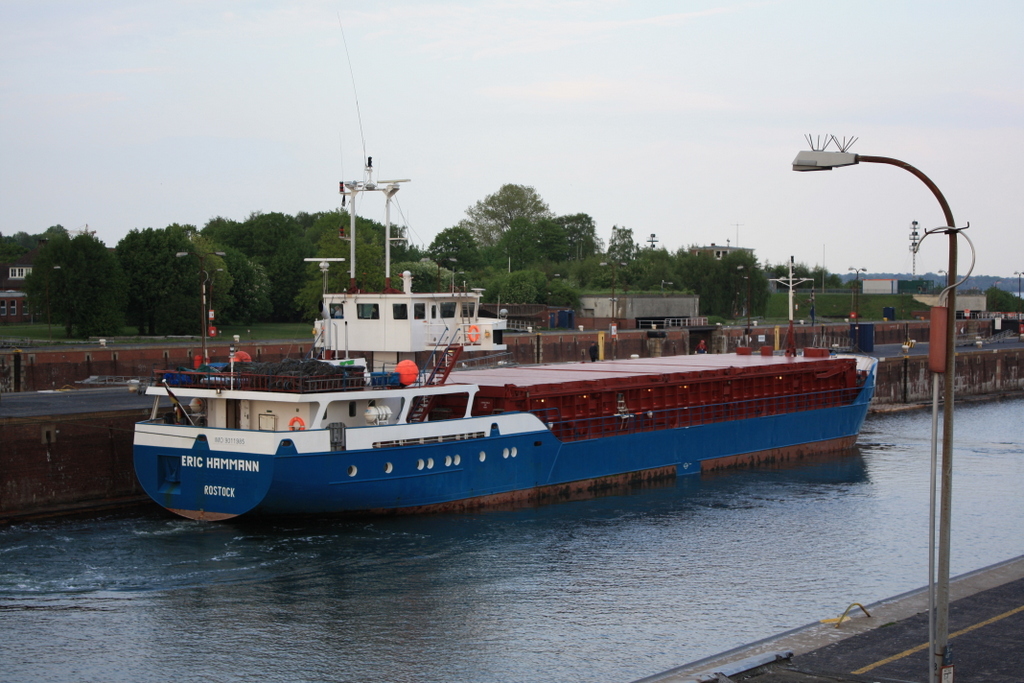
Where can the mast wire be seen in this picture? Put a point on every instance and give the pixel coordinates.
(355, 92)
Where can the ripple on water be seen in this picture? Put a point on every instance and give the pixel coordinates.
(608, 589)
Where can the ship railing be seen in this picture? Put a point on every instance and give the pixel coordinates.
(492, 360)
(676, 323)
(289, 383)
(575, 429)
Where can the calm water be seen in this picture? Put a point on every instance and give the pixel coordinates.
(603, 590)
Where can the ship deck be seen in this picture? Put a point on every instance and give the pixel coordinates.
(602, 371)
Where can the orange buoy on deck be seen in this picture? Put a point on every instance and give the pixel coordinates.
(407, 372)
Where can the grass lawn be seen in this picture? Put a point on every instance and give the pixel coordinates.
(836, 307)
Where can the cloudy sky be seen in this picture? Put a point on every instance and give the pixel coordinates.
(674, 118)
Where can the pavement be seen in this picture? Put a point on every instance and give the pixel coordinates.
(921, 348)
(35, 404)
(986, 638)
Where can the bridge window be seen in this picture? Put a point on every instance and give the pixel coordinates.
(447, 309)
(419, 311)
(400, 311)
(368, 311)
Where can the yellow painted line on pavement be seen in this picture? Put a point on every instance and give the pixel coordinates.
(918, 648)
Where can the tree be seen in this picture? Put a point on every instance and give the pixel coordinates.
(10, 250)
(831, 280)
(561, 293)
(248, 295)
(520, 244)
(156, 281)
(522, 287)
(491, 217)
(85, 284)
(278, 243)
(552, 240)
(369, 261)
(456, 243)
(1001, 301)
(621, 246)
(580, 236)
(425, 275)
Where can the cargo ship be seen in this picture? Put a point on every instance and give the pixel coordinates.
(379, 434)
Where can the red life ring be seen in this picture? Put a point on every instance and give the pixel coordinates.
(474, 334)
(296, 421)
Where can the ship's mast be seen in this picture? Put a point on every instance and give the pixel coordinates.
(350, 189)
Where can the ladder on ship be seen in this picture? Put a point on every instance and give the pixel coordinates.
(438, 375)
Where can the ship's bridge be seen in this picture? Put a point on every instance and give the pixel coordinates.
(406, 322)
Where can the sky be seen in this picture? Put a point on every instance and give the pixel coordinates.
(678, 119)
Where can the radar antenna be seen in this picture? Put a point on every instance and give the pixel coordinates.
(821, 143)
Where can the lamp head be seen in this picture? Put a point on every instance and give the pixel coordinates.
(823, 161)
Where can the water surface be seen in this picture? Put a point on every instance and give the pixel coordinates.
(610, 589)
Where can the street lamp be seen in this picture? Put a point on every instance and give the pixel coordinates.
(915, 241)
(1018, 295)
(203, 278)
(747, 278)
(615, 306)
(856, 304)
(822, 160)
(663, 283)
(49, 331)
(614, 264)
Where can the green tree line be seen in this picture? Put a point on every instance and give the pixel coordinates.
(510, 244)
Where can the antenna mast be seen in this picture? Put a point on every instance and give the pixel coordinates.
(350, 189)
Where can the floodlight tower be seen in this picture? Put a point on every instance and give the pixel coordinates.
(915, 240)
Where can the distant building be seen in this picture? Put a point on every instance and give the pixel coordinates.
(13, 273)
(640, 310)
(879, 286)
(718, 251)
(13, 308)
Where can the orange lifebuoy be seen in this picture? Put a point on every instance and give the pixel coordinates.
(474, 334)
(296, 421)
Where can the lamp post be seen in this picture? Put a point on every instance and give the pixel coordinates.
(746, 332)
(915, 240)
(614, 300)
(49, 330)
(747, 278)
(203, 277)
(821, 160)
(1018, 274)
(856, 305)
(615, 306)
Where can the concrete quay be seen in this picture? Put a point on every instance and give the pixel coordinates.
(986, 636)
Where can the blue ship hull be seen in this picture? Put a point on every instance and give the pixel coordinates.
(496, 468)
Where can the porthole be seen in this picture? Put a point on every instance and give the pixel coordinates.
(388, 468)
(352, 470)
(515, 451)
(430, 463)
(504, 453)
(483, 456)
(458, 459)
(447, 461)
(419, 464)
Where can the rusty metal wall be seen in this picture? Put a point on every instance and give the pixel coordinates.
(978, 373)
(65, 463)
